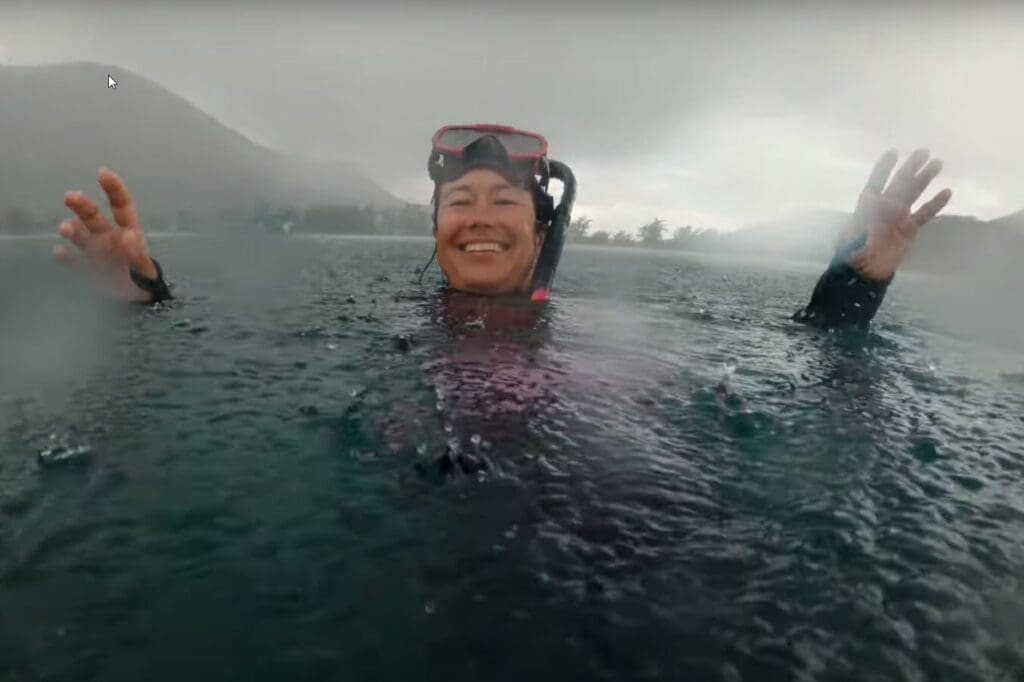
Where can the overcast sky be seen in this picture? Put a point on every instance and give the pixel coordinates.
(696, 115)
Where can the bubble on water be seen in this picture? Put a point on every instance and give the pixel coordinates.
(448, 427)
(429, 608)
(475, 440)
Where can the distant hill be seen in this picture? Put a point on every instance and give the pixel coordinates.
(1014, 221)
(60, 122)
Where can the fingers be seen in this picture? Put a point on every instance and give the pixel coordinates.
(66, 256)
(931, 208)
(88, 212)
(121, 203)
(880, 173)
(75, 232)
(923, 179)
(903, 182)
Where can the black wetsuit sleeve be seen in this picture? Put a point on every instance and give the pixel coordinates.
(156, 288)
(843, 297)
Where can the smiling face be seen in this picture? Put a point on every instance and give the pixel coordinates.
(487, 242)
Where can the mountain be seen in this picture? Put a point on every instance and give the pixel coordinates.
(61, 122)
(1014, 221)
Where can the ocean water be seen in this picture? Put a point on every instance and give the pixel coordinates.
(309, 467)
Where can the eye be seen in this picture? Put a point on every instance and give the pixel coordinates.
(506, 202)
(458, 202)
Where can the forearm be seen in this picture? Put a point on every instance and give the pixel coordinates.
(843, 297)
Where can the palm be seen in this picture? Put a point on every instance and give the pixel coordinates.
(109, 250)
(884, 215)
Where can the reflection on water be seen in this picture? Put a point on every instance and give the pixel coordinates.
(308, 467)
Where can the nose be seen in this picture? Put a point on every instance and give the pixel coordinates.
(481, 216)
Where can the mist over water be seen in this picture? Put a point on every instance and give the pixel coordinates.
(307, 460)
(309, 466)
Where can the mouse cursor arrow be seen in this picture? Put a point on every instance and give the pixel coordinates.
(111, 83)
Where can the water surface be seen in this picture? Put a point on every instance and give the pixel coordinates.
(309, 467)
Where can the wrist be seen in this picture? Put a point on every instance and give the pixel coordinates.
(153, 285)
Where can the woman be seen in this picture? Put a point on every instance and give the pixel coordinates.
(497, 231)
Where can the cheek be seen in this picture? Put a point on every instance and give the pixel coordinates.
(444, 233)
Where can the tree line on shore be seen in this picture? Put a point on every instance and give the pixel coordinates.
(952, 241)
(653, 234)
(407, 219)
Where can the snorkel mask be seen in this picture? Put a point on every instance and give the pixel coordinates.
(521, 158)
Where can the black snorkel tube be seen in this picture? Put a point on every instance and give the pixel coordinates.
(551, 252)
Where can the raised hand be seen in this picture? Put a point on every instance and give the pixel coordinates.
(884, 214)
(110, 250)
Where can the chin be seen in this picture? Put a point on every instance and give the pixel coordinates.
(490, 285)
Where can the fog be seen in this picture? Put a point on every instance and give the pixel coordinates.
(713, 117)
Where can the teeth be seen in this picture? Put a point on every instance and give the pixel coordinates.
(483, 246)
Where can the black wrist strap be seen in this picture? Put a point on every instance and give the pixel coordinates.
(843, 297)
(157, 288)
